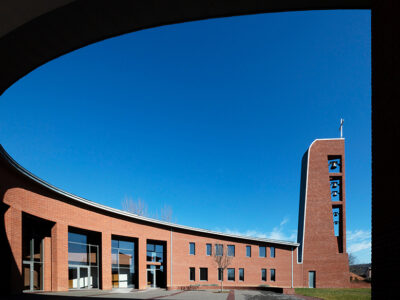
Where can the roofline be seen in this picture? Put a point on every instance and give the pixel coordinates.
(73, 197)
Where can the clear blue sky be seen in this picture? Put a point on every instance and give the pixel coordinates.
(211, 118)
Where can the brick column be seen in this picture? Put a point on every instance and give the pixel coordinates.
(168, 262)
(59, 257)
(106, 283)
(142, 263)
(13, 226)
(47, 263)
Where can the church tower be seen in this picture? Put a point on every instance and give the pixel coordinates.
(322, 215)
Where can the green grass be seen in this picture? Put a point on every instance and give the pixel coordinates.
(336, 294)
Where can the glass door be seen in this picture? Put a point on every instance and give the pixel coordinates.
(33, 265)
(84, 278)
(151, 278)
(73, 277)
(83, 265)
(79, 277)
(311, 279)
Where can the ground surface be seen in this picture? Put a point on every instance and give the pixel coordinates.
(337, 294)
(157, 294)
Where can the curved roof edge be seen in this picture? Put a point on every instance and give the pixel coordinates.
(43, 183)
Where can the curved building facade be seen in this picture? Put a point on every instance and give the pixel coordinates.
(56, 241)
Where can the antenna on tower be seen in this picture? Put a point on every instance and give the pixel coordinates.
(341, 128)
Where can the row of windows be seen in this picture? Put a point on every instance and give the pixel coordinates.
(231, 274)
(219, 250)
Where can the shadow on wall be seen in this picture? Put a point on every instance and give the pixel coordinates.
(8, 264)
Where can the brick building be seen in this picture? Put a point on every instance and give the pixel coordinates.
(56, 241)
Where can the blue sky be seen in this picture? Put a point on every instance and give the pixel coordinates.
(210, 118)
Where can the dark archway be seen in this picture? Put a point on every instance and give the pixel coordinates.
(33, 33)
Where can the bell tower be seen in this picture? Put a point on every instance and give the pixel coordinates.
(322, 215)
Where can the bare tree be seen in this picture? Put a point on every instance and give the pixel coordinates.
(352, 259)
(222, 260)
(138, 207)
(166, 213)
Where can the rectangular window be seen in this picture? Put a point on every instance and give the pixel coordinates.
(264, 274)
(272, 251)
(192, 274)
(219, 249)
(231, 250)
(123, 262)
(241, 274)
(248, 251)
(262, 251)
(231, 274)
(192, 249)
(208, 249)
(220, 274)
(155, 252)
(203, 274)
(272, 274)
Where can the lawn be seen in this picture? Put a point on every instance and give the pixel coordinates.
(336, 294)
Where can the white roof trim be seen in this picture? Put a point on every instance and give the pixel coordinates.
(43, 183)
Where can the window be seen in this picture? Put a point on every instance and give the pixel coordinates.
(264, 274)
(231, 274)
(272, 274)
(219, 249)
(241, 274)
(262, 251)
(220, 274)
(248, 251)
(123, 262)
(192, 274)
(155, 252)
(231, 250)
(272, 251)
(192, 249)
(208, 250)
(203, 274)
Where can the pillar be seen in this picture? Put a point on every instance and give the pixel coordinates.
(47, 263)
(59, 257)
(106, 282)
(142, 263)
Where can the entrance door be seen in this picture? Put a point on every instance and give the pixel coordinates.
(33, 276)
(84, 277)
(311, 279)
(79, 277)
(151, 278)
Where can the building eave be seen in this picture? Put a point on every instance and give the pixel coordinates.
(108, 209)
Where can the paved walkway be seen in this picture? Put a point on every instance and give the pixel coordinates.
(157, 294)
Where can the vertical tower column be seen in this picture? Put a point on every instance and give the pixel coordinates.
(322, 219)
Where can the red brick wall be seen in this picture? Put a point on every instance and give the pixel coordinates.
(320, 243)
(320, 252)
(252, 265)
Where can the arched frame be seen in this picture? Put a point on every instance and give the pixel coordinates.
(35, 32)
